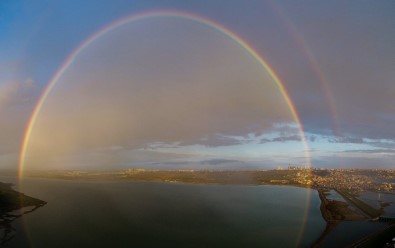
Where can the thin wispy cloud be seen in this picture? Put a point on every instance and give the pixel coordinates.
(350, 140)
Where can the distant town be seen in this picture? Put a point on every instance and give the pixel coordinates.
(353, 180)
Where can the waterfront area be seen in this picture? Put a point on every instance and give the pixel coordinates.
(342, 192)
(353, 180)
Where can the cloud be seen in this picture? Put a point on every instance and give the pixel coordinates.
(265, 140)
(215, 140)
(286, 138)
(352, 140)
(283, 133)
(389, 144)
(175, 83)
(372, 151)
(354, 161)
(312, 138)
(281, 139)
(16, 92)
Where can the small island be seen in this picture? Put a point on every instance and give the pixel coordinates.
(13, 205)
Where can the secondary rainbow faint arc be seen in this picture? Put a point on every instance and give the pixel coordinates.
(146, 15)
(300, 40)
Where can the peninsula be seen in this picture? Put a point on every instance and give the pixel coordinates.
(13, 205)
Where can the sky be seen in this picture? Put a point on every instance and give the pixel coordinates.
(169, 92)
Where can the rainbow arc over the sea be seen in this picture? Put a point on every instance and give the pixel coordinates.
(162, 14)
(147, 15)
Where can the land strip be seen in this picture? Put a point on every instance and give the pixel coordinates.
(12, 201)
(367, 209)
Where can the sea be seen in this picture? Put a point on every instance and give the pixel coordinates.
(151, 214)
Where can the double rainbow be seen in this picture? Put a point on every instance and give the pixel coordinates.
(147, 15)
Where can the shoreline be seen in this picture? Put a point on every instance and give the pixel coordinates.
(332, 212)
(326, 215)
(13, 204)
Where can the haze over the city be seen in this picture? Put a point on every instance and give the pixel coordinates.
(178, 88)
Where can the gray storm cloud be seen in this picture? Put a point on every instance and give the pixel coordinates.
(161, 80)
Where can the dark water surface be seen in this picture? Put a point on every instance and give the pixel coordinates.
(374, 199)
(348, 232)
(146, 214)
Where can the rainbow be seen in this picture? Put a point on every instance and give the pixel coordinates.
(318, 72)
(142, 16)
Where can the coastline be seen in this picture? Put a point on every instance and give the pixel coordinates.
(333, 212)
(330, 224)
(12, 207)
(327, 216)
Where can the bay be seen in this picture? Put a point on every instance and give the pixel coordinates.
(148, 214)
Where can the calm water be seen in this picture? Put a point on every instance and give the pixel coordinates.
(347, 232)
(333, 195)
(374, 199)
(131, 214)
